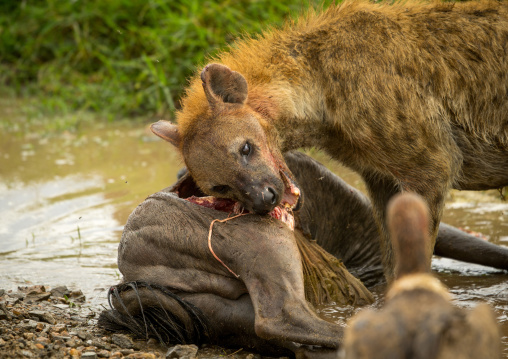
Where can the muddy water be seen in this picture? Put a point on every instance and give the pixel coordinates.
(64, 199)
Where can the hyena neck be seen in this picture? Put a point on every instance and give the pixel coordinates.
(292, 111)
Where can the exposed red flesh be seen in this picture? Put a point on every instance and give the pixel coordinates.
(219, 204)
(227, 205)
(291, 191)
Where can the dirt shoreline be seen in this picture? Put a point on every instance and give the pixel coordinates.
(43, 322)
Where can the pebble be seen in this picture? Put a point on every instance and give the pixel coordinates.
(38, 297)
(71, 343)
(182, 352)
(103, 354)
(39, 329)
(59, 291)
(58, 328)
(27, 353)
(141, 356)
(42, 340)
(30, 324)
(84, 336)
(152, 341)
(122, 340)
(42, 316)
(89, 355)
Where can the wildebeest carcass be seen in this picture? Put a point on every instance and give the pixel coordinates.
(175, 290)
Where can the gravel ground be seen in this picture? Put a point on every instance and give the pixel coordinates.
(43, 322)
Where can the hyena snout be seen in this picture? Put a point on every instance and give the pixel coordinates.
(265, 199)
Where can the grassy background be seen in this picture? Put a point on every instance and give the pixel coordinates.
(120, 58)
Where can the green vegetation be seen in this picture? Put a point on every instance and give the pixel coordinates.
(120, 58)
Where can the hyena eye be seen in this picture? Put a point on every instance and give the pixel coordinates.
(246, 149)
(221, 189)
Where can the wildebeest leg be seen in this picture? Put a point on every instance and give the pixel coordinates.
(272, 272)
(456, 244)
(234, 320)
(152, 310)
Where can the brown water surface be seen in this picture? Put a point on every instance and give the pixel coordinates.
(64, 200)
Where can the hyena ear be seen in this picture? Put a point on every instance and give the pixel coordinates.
(222, 84)
(167, 131)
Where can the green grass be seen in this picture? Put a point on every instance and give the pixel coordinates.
(120, 58)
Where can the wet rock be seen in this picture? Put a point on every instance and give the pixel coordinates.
(152, 341)
(17, 312)
(126, 351)
(32, 289)
(16, 295)
(89, 355)
(27, 353)
(60, 337)
(2, 292)
(122, 341)
(103, 354)
(30, 324)
(84, 336)
(37, 297)
(71, 343)
(60, 291)
(42, 340)
(42, 316)
(4, 313)
(141, 356)
(77, 296)
(59, 328)
(12, 300)
(39, 327)
(100, 344)
(182, 352)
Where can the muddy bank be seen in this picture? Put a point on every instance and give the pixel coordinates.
(44, 322)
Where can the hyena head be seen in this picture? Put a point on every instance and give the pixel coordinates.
(232, 151)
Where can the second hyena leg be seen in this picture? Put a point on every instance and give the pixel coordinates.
(381, 189)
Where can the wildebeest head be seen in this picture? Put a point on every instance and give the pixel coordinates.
(232, 151)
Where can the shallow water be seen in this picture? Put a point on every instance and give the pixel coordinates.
(64, 200)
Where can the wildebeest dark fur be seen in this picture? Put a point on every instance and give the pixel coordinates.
(164, 248)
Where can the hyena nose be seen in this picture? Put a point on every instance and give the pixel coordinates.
(266, 200)
(271, 196)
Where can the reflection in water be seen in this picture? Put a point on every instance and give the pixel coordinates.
(64, 201)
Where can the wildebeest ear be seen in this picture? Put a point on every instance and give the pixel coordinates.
(167, 131)
(222, 84)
